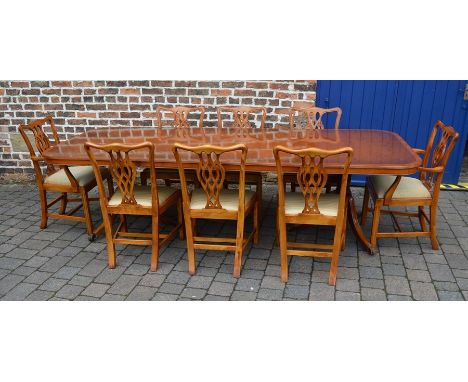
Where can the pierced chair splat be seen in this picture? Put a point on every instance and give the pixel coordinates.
(179, 118)
(386, 190)
(243, 118)
(62, 179)
(131, 199)
(313, 118)
(213, 202)
(311, 206)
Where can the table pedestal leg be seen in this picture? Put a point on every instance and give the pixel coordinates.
(356, 226)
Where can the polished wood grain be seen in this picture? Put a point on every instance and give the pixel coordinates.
(36, 131)
(312, 179)
(375, 151)
(439, 147)
(123, 171)
(211, 176)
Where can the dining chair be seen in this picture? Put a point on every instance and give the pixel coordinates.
(311, 206)
(131, 199)
(179, 118)
(61, 179)
(312, 118)
(213, 202)
(242, 118)
(405, 191)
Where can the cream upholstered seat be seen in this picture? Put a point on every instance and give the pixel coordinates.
(84, 175)
(143, 195)
(407, 188)
(327, 203)
(229, 199)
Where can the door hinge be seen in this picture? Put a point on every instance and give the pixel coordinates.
(465, 95)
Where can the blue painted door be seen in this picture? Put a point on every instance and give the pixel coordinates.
(409, 108)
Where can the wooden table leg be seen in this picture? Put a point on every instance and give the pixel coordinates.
(355, 226)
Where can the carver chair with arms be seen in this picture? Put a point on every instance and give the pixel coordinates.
(411, 192)
(61, 179)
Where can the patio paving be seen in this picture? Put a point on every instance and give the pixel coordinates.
(59, 263)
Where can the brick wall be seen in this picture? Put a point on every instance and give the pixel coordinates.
(78, 105)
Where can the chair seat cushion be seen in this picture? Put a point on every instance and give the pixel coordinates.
(407, 188)
(294, 203)
(229, 199)
(83, 174)
(143, 195)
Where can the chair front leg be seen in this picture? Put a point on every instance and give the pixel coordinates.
(365, 206)
(190, 243)
(180, 219)
(422, 219)
(433, 218)
(155, 243)
(144, 177)
(256, 220)
(375, 222)
(283, 243)
(259, 191)
(87, 212)
(239, 247)
(63, 203)
(111, 255)
(43, 200)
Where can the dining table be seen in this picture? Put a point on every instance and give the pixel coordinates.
(375, 152)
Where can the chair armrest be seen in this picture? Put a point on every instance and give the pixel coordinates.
(389, 194)
(36, 158)
(70, 177)
(434, 170)
(419, 151)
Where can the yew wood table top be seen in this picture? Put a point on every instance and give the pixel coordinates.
(375, 151)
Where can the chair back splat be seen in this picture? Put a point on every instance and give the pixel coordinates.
(212, 201)
(132, 199)
(401, 191)
(312, 117)
(211, 172)
(242, 117)
(41, 142)
(312, 206)
(440, 145)
(180, 117)
(123, 170)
